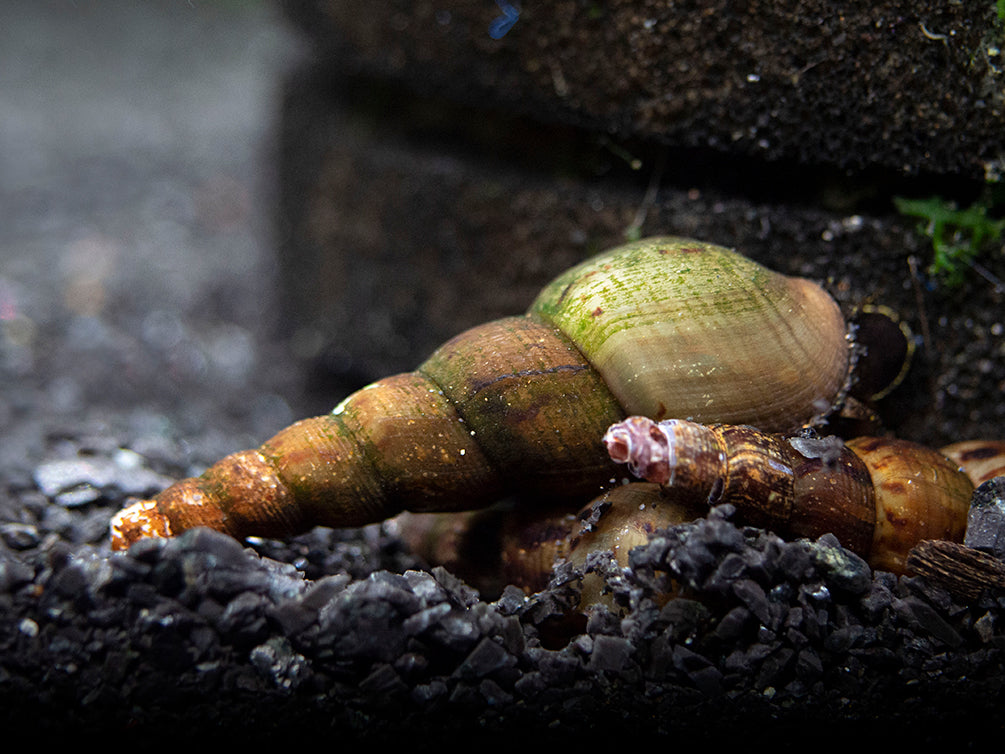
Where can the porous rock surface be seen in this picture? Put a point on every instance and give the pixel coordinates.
(853, 87)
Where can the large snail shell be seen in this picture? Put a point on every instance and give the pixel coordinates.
(681, 329)
(666, 326)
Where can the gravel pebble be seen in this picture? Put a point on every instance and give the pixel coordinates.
(219, 624)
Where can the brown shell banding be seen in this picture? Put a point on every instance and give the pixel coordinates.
(879, 496)
(981, 460)
(532, 402)
(920, 494)
(666, 325)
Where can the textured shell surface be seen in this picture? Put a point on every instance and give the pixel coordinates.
(879, 495)
(982, 460)
(661, 327)
(921, 494)
(683, 329)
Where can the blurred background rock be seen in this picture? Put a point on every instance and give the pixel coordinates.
(136, 252)
(442, 161)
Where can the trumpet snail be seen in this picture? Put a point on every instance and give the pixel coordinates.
(880, 496)
(663, 327)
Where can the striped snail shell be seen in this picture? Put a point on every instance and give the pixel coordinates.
(492, 550)
(879, 496)
(663, 327)
(981, 460)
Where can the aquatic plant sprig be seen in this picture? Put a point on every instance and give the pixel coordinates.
(958, 235)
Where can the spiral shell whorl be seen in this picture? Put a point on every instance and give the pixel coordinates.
(682, 329)
(508, 404)
(664, 326)
(532, 403)
(650, 449)
(879, 496)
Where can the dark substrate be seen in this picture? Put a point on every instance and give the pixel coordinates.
(343, 634)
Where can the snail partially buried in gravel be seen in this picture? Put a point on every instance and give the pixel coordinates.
(880, 496)
(663, 327)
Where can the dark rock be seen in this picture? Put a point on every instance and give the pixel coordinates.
(753, 597)
(487, 657)
(610, 653)
(733, 624)
(986, 521)
(843, 569)
(924, 617)
(78, 481)
(19, 536)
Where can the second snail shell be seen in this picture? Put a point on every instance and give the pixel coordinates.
(982, 460)
(880, 496)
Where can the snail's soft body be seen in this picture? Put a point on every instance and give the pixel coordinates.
(664, 327)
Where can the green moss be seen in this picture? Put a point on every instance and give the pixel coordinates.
(958, 235)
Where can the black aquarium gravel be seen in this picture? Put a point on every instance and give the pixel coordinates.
(345, 633)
